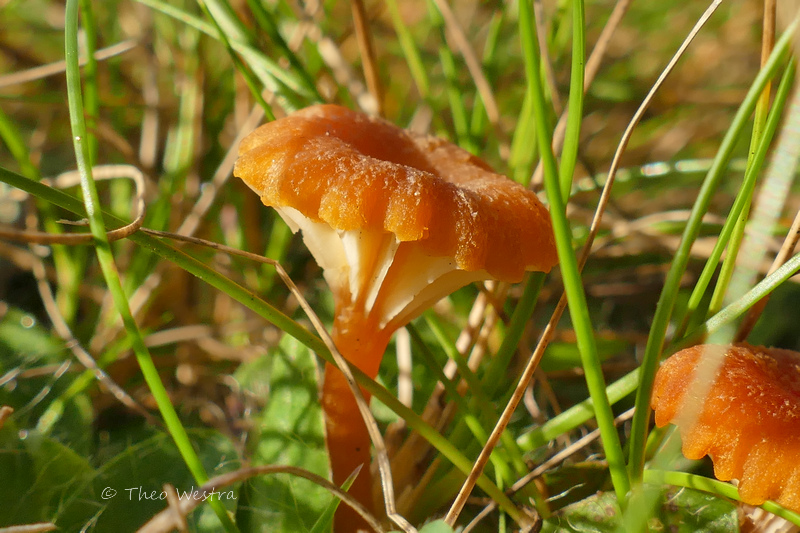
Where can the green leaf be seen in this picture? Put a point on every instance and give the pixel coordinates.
(130, 486)
(25, 345)
(43, 480)
(440, 526)
(680, 510)
(288, 431)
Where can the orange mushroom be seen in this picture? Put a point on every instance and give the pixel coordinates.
(749, 422)
(397, 221)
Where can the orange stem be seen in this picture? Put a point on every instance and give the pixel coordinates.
(362, 343)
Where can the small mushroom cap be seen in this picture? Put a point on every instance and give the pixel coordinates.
(354, 172)
(749, 423)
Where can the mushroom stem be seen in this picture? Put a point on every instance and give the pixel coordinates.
(362, 343)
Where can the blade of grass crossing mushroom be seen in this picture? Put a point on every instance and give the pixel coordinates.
(581, 412)
(106, 260)
(669, 294)
(693, 317)
(569, 267)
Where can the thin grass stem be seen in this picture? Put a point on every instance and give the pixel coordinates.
(106, 259)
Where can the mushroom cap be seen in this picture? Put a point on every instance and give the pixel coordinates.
(354, 172)
(749, 423)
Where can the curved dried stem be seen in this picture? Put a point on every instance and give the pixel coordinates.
(470, 59)
(71, 179)
(59, 67)
(173, 516)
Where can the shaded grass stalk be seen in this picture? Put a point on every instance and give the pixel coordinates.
(255, 91)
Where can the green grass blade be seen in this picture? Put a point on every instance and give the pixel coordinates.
(410, 51)
(240, 66)
(106, 259)
(91, 101)
(666, 303)
(573, 285)
(272, 75)
(266, 21)
(740, 204)
(569, 152)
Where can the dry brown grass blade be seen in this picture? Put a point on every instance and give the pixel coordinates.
(592, 68)
(470, 59)
(30, 528)
(83, 356)
(174, 515)
(555, 460)
(533, 361)
(368, 61)
(59, 67)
